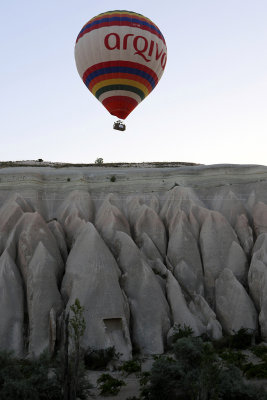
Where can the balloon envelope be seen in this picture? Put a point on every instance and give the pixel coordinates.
(120, 56)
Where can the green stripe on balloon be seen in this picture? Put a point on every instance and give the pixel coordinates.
(108, 88)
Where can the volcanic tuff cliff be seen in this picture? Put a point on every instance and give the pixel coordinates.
(142, 249)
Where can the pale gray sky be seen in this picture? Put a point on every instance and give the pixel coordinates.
(209, 107)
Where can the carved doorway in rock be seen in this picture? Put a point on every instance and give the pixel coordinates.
(115, 331)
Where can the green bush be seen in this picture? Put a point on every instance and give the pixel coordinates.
(37, 379)
(166, 380)
(240, 340)
(232, 387)
(130, 367)
(98, 359)
(197, 372)
(234, 357)
(180, 331)
(27, 379)
(109, 385)
(144, 384)
(144, 378)
(260, 351)
(255, 371)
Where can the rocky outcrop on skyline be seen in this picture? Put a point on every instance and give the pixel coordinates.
(140, 257)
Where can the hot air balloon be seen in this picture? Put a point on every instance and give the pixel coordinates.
(120, 56)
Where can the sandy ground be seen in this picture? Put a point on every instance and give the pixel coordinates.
(132, 387)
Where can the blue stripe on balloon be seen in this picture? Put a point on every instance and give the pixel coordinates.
(127, 70)
(115, 19)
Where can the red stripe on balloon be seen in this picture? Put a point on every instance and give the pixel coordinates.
(120, 63)
(120, 106)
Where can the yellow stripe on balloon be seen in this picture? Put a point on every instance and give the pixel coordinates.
(128, 82)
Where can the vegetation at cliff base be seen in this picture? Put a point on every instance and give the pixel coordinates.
(25, 379)
(195, 370)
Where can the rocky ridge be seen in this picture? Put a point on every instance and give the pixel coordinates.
(143, 251)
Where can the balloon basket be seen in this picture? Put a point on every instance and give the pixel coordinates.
(119, 126)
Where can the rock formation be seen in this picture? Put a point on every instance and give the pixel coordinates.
(154, 248)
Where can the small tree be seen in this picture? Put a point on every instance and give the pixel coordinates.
(74, 328)
(77, 324)
(99, 160)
